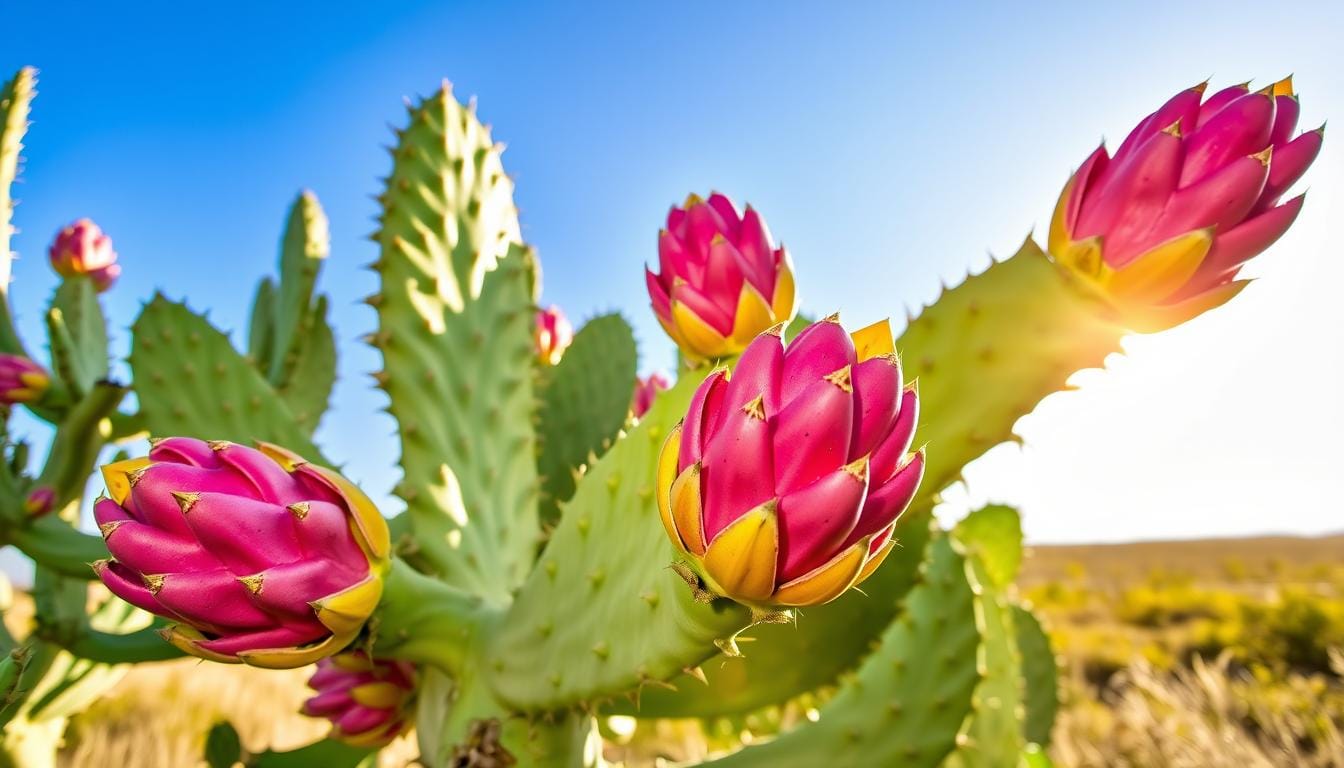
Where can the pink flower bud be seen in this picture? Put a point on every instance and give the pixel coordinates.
(256, 555)
(1162, 228)
(39, 501)
(368, 701)
(83, 249)
(645, 391)
(553, 336)
(721, 280)
(21, 380)
(784, 481)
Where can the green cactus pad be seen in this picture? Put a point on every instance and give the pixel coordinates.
(992, 734)
(455, 330)
(305, 245)
(769, 671)
(16, 96)
(585, 400)
(78, 333)
(908, 699)
(191, 382)
(261, 325)
(986, 352)
(1040, 677)
(603, 613)
(308, 385)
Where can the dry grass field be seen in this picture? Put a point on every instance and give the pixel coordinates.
(1204, 653)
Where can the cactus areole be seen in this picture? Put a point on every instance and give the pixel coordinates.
(784, 481)
(256, 555)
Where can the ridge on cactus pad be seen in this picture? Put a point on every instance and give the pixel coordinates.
(256, 555)
(1162, 228)
(783, 483)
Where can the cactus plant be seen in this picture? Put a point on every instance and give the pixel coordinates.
(570, 549)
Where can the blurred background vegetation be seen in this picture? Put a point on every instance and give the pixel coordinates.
(1207, 653)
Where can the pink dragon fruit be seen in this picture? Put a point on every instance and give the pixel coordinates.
(21, 380)
(83, 249)
(553, 336)
(368, 701)
(784, 481)
(721, 280)
(645, 391)
(256, 555)
(1162, 228)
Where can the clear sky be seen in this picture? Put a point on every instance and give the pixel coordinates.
(890, 147)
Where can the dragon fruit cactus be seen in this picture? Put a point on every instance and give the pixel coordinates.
(368, 701)
(82, 249)
(646, 389)
(721, 280)
(554, 335)
(530, 586)
(256, 555)
(21, 380)
(1163, 227)
(784, 482)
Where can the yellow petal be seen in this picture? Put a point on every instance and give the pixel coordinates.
(875, 560)
(353, 662)
(667, 475)
(375, 737)
(368, 521)
(700, 340)
(1083, 257)
(824, 584)
(874, 340)
(287, 459)
(753, 316)
(686, 510)
(1161, 271)
(785, 302)
(1059, 233)
(35, 381)
(1150, 319)
(117, 476)
(293, 658)
(347, 610)
(741, 559)
(377, 695)
(185, 639)
(1284, 87)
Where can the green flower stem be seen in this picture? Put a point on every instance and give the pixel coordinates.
(51, 542)
(424, 620)
(79, 439)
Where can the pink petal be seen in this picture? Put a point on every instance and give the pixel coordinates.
(1238, 245)
(246, 534)
(152, 501)
(811, 435)
(896, 444)
(728, 213)
(736, 471)
(214, 598)
(1287, 165)
(1125, 204)
(1083, 180)
(703, 410)
(1286, 112)
(815, 521)
(705, 308)
(327, 703)
(146, 549)
(819, 349)
(877, 398)
(662, 304)
(127, 584)
(756, 246)
(1217, 102)
(1221, 200)
(361, 719)
(270, 480)
(886, 503)
(288, 589)
(279, 637)
(1181, 109)
(756, 374)
(702, 224)
(723, 277)
(674, 262)
(184, 450)
(1241, 129)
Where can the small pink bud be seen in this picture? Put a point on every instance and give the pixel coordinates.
(82, 249)
(721, 280)
(368, 701)
(21, 380)
(39, 501)
(645, 391)
(258, 556)
(553, 336)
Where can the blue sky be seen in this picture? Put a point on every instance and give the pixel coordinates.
(890, 148)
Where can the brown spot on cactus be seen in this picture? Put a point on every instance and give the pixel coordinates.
(253, 582)
(153, 582)
(299, 509)
(841, 378)
(107, 528)
(185, 501)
